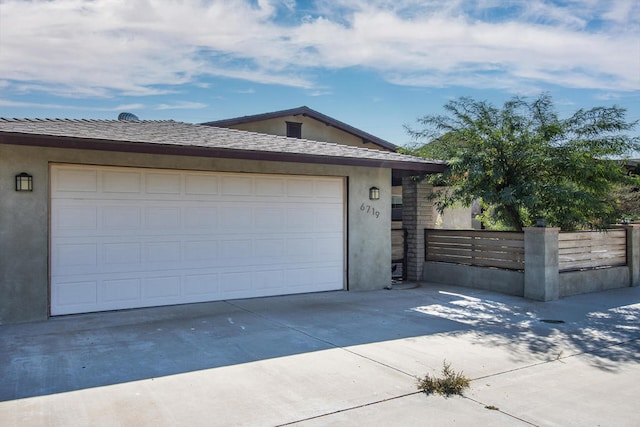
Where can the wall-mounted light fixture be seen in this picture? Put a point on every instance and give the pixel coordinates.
(374, 193)
(24, 182)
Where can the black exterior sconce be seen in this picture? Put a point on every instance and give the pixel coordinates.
(24, 182)
(374, 193)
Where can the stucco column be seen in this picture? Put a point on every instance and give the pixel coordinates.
(633, 253)
(541, 270)
(417, 213)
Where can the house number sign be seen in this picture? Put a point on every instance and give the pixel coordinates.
(368, 209)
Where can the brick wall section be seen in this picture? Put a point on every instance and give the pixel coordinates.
(417, 214)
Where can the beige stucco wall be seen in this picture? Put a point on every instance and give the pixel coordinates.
(458, 218)
(24, 218)
(311, 129)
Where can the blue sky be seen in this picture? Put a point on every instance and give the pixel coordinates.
(375, 64)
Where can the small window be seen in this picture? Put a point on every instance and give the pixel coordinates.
(396, 201)
(294, 130)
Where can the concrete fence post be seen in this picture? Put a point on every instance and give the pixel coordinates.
(541, 264)
(633, 253)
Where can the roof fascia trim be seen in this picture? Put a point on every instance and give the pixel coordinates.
(187, 150)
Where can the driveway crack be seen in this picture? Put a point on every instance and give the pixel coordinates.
(351, 408)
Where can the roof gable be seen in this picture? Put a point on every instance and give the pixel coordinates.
(306, 112)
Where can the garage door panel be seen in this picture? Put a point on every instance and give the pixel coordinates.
(198, 217)
(75, 294)
(303, 188)
(269, 280)
(120, 181)
(162, 218)
(234, 252)
(268, 250)
(300, 218)
(76, 256)
(269, 219)
(75, 180)
(120, 217)
(163, 183)
(236, 217)
(237, 186)
(122, 254)
(71, 216)
(127, 237)
(329, 190)
(327, 275)
(328, 219)
(121, 290)
(297, 277)
(300, 248)
(201, 251)
(165, 254)
(199, 286)
(329, 248)
(237, 282)
(161, 287)
(200, 184)
(270, 187)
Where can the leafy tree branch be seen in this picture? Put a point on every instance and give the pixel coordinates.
(524, 162)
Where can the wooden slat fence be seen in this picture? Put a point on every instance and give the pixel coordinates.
(586, 250)
(498, 249)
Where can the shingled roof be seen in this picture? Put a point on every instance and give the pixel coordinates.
(178, 138)
(306, 112)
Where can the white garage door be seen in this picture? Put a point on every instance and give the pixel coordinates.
(129, 237)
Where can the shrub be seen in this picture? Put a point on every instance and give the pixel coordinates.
(449, 384)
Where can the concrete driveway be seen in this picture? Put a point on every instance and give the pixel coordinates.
(339, 358)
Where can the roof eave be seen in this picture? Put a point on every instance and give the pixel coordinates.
(65, 142)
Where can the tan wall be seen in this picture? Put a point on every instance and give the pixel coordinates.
(458, 218)
(24, 218)
(311, 129)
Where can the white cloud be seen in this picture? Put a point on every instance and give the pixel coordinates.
(182, 105)
(9, 103)
(319, 92)
(128, 107)
(607, 96)
(82, 48)
(54, 106)
(619, 10)
(457, 48)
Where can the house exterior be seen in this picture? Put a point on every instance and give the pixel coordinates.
(113, 214)
(304, 122)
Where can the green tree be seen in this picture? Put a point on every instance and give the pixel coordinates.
(524, 162)
(628, 195)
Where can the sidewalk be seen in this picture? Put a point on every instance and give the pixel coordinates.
(338, 358)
